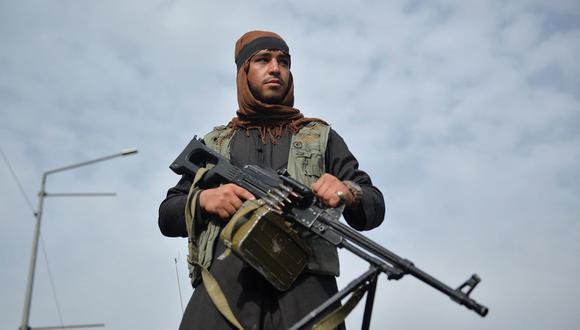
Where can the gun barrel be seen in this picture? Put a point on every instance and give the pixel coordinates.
(400, 266)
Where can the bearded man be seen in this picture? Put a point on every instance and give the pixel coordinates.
(269, 132)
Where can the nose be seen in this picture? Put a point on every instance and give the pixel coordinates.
(274, 66)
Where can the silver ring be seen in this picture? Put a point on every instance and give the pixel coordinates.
(340, 194)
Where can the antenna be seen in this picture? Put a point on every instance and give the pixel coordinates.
(38, 215)
(178, 283)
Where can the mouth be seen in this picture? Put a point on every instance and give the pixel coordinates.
(273, 82)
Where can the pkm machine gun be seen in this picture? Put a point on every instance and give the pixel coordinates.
(297, 203)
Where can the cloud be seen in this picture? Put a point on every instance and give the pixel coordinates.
(464, 113)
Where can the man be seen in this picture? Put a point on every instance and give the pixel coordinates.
(268, 131)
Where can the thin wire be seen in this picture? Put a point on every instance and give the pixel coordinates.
(17, 181)
(51, 282)
(178, 284)
(41, 239)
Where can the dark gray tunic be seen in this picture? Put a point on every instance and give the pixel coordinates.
(256, 304)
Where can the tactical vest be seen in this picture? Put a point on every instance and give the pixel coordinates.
(306, 163)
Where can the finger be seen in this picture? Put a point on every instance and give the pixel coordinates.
(236, 203)
(324, 191)
(243, 193)
(316, 185)
(322, 181)
(340, 198)
(229, 209)
(335, 194)
(332, 203)
(222, 214)
(229, 190)
(331, 198)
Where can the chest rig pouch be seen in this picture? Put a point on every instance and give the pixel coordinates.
(262, 238)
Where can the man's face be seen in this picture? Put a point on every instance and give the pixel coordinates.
(269, 75)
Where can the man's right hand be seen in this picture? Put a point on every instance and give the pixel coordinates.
(224, 200)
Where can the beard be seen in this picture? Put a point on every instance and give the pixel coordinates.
(268, 98)
(274, 99)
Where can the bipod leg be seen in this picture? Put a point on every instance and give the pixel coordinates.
(369, 275)
(372, 288)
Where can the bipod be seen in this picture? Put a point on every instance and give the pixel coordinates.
(366, 283)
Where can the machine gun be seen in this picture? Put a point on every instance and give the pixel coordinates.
(298, 204)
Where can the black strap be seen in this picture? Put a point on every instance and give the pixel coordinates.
(258, 44)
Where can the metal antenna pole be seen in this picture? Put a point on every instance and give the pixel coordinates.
(32, 267)
(38, 215)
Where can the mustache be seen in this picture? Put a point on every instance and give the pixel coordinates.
(269, 80)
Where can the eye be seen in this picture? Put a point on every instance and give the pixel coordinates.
(261, 59)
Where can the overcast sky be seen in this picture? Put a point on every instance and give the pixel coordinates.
(465, 113)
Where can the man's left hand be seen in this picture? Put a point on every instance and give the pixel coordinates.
(328, 190)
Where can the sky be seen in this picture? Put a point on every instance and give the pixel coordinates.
(466, 114)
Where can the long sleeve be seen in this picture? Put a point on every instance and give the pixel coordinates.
(341, 163)
(172, 209)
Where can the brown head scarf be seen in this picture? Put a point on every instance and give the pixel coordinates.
(268, 119)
